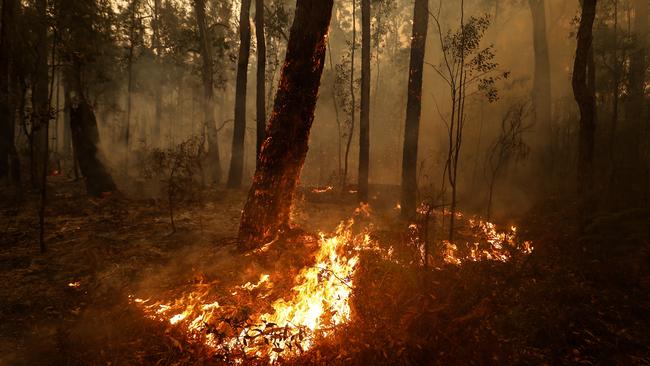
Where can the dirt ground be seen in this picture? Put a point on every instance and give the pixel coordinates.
(578, 299)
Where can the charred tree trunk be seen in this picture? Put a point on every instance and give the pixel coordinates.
(7, 120)
(542, 85)
(67, 137)
(261, 75)
(283, 153)
(583, 90)
(364, 124)
(235, 174)
(40, 97)
(213, 163)
(413, 108)
(85, 137)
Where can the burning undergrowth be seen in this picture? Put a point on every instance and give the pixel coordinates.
(475, 239)
(244, 323)
(278, 315)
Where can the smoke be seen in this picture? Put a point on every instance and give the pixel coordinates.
(179, 114)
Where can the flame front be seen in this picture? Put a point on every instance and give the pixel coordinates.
(319, 301)
(317, 304)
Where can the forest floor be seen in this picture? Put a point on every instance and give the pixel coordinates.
(577, 299)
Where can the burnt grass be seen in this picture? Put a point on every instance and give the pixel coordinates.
(579, 298)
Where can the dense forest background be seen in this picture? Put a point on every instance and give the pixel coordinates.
(141, 69)
(172, 171)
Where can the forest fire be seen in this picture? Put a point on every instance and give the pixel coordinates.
(317, 304)
(322, 189)
(167, 166)
(319, 300)
(488, 243)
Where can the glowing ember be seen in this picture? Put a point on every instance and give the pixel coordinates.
(75, 284)
(500, 244)
(323, 189)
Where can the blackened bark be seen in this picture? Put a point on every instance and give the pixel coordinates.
(583, 90)
(413, 108)
(542, 85)
(283, 153)
(364, 125)
(85, 137)
(236, 171)
(7, 121)
(67, 137)
(214, 159)
(40, 97)
(261, 74)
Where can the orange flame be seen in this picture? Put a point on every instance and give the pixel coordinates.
(318, 303)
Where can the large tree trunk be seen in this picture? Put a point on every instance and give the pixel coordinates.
(353, 101)
(261, 74)
(7, 120)
(40, 97)
(213, 163)
(85, 137)
(364, 125)
(236, 171)
(67, 136)
(283, 153)
(542, 86)
(413, 108)
(583, 90)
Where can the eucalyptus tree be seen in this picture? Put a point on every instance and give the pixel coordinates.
(585, 96)
(467, 68)
(542, 78)
(41, 113)
(7, 110)
(267, 209)
(235, 174)
(207, 75)
(260, 96)
(82, 28)
(414, 108)
(364, 123)
(637, 107)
